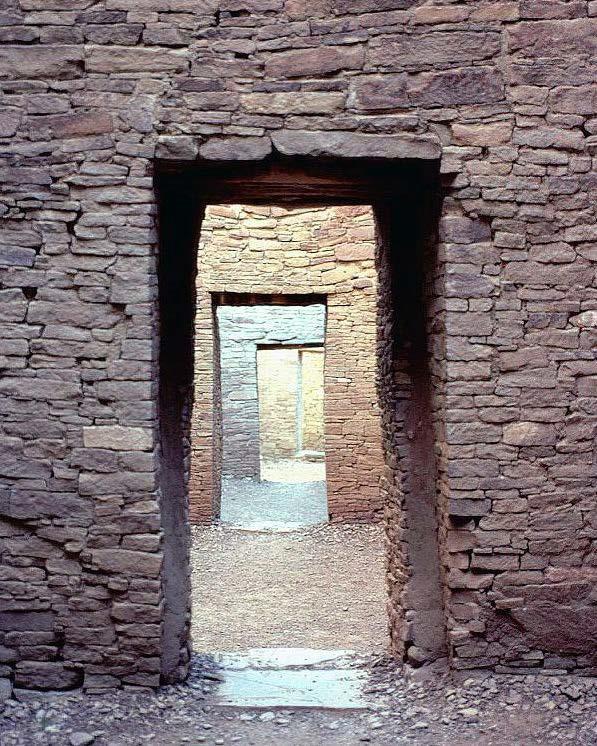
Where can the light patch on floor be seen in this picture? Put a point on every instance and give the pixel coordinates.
(282, 677)
(252, 504)
(293, 471)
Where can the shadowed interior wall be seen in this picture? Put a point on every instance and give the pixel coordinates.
(328, 251)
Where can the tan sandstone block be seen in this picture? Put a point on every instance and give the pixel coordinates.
(529, 434)
(482, 134)
(118, 438)
(135, 59)
(293, 103)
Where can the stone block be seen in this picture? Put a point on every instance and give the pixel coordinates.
(356, 145)
(314, 62)
(585, 320)
(578, 100)
(464, 507)
(378, 92)
(554, 38)
(128, 562)
(558, 627)
(525, 357)
(35, 621)
(491, 134)
(467, 85)
(432, 49)
(118, 438)
(31, 504)
(16, 257)
(75, 125)
(39, 61)
(461, 285)
(529, 434)
(10, 119)
(292, 102)
(113, 59)
(460, 230)
(236, 149)
(46, 675)
(13, 305)
(181, 146)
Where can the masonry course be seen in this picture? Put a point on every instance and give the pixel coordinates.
(502, 95)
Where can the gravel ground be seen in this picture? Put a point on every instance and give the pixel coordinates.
(320, 587)
(486, 711)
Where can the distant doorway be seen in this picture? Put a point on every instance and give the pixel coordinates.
(290, 385)
(271, 412)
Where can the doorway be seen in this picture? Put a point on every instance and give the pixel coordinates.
(271, 390)
(405, 199)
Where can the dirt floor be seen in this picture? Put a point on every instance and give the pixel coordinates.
(254, 504)
(320, 587)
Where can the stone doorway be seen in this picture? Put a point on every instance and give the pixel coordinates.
(312, 271)
(293, 384)
(271, 390)
(404, 198)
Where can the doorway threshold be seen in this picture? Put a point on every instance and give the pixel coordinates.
(271, 678)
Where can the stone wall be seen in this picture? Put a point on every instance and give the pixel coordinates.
(502, 96)
(241, 330)
(283, 252)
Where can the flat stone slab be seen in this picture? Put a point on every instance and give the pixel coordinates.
(282, 658)
(290, 678)
(329, 689)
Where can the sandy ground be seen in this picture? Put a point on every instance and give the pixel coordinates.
(321, 587)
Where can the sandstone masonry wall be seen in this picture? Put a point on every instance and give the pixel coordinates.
(502, 95)
(317, 251)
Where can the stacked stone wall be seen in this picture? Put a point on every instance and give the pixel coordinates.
(502, 94)
(282, 252)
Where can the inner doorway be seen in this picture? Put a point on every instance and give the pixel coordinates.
(289, 296)
(271, 389)
(291, 413)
